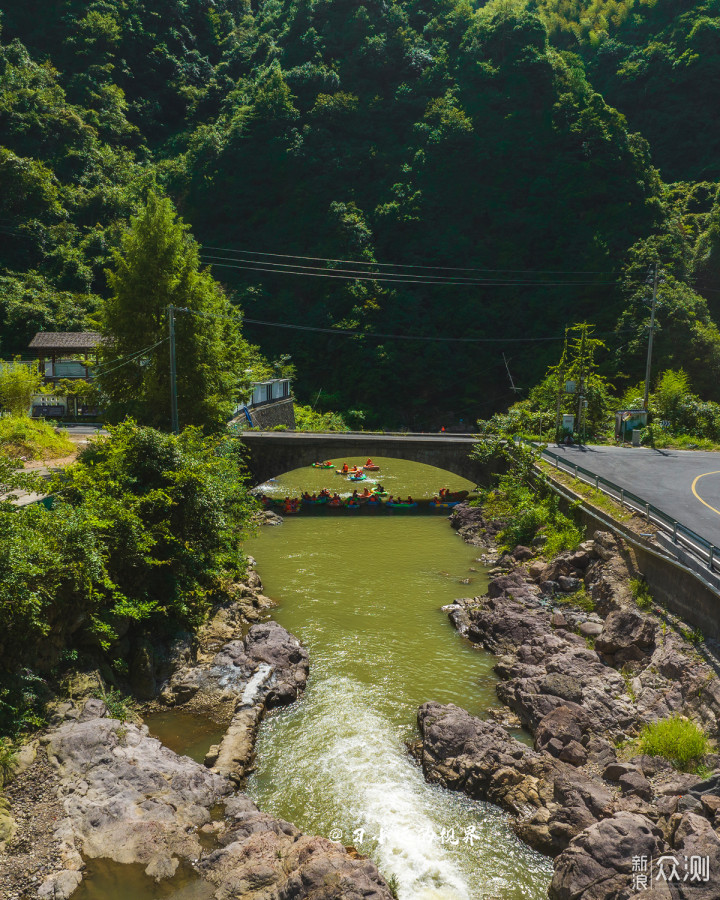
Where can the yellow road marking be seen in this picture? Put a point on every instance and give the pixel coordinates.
(698, 495)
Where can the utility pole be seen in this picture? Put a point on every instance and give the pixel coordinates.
(650, 339)
(173, 373)
(561, 389)
(581, 385)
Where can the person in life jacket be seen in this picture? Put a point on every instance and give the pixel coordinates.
(345, 468)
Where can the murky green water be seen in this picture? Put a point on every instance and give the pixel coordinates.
(397, 476)
(184, 732)
(364, 595)
(107, 880)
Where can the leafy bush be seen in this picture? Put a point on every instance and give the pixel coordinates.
(562, 534)
(307, 419)
(678, 740)
(524, 502)
(21, 436)
(18, 383)
(145, 533)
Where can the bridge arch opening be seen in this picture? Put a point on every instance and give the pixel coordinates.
(396, 477)
(270, 454)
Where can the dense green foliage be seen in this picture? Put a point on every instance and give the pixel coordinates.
(23, 437)
(156, 267)
(144, 534)
(517, 139)
(18, 384)
(522, 500)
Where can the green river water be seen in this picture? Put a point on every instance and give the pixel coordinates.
(364, 594)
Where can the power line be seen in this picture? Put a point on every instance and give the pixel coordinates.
(411, 266)
(398, 279)
(373, 334)
(128, 359)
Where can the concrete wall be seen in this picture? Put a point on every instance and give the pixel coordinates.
(672, 583)
(280, 412)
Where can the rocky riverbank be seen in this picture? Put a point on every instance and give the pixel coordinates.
(93, 786)
(584, 669)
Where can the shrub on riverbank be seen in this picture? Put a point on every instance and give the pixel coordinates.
(21, 436)
(678, 740)
(143, 536)
(524, 503)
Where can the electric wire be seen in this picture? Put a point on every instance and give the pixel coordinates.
(410, 265)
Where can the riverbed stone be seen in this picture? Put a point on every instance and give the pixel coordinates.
(627, 635)
(264, 858)
(590, 629)
(552, 800)
(126, 796)
(634, 782)
(60, 886)
(598, 863)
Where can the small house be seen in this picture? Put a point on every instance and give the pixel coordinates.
(65, 354)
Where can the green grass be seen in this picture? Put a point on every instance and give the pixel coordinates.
(677, 740)
(587, 492)
(641, 593)
(692, 635)
(580, 598)
(119, 706)
(21, 436)
(8, 756)
(665, 441)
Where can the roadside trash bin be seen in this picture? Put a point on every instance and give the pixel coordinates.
(636, 435)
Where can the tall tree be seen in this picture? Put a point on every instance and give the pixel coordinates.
(157, 266)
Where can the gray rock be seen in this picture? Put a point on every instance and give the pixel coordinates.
(590, 629)
(598, 863)
(626, 636)
(568, 584)
(564, 686)
(616, 770)
(522, 554)
(553, 799)
(635, 783)
(128, 798)
(60, 886)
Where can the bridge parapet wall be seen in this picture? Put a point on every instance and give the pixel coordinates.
(271, 454)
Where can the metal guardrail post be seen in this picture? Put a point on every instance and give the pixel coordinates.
(597, 482)
(712, 556)
(675, 525)
(647, 511)
(622, 497)
(576, 473)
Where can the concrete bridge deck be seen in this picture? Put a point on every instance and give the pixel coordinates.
(270, 453)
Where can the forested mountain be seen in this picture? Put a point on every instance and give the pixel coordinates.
(558, 147)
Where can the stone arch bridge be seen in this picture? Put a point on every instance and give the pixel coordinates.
(270, 453)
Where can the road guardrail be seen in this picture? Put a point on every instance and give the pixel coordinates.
(680, 534)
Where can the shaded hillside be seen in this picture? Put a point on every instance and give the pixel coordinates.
(420, 133)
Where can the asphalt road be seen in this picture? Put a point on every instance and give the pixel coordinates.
(685, 484)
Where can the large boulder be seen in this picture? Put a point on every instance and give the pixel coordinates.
(129, 798)
(626, 636)
(552, 800)
(598, 864)
(264, 858)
